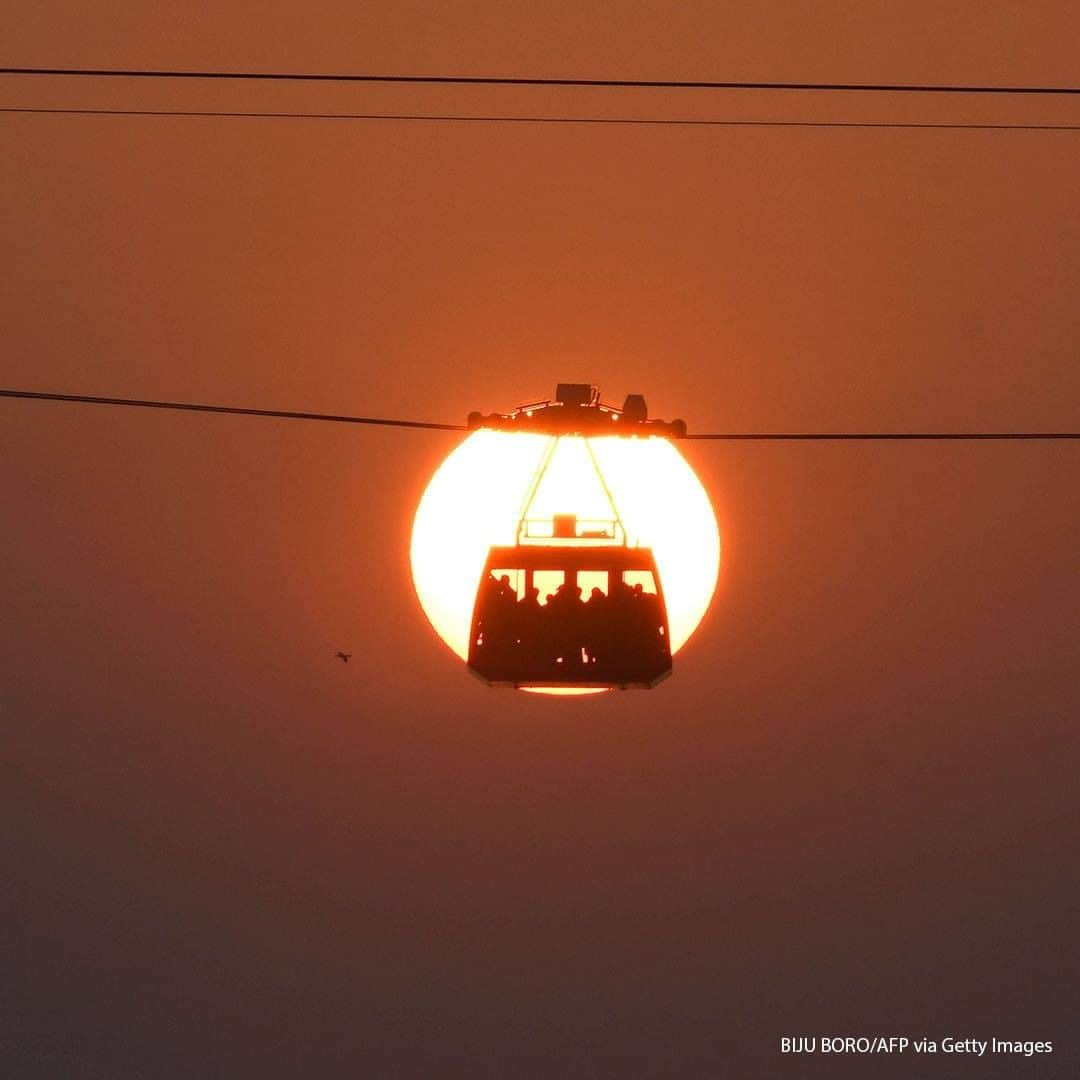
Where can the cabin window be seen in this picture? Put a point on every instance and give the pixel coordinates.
(592, 579)
(516, 579)
(644, 578)
(548, 582)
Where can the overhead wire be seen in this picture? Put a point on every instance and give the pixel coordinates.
(526, 81)
(499, 119)
(282, 414)
(505, 80)
(529, 81)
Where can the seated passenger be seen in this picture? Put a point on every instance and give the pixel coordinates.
(496, 623)
(528, 619)
(564, 611)
(595, 625)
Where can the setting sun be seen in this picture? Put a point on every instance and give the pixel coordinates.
(477, 496)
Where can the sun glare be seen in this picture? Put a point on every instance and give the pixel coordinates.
(478, 494)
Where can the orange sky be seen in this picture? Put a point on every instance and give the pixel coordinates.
(849, 805)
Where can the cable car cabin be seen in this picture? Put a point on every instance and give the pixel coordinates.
(571, 605)
(577, 615)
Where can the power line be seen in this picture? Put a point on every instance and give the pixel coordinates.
(499, 80)
(847, 436)
(453, 118)
(280, 414)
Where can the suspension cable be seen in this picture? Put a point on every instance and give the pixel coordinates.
(232, 410)
(800, 436)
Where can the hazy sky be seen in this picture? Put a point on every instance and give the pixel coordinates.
(852, 809)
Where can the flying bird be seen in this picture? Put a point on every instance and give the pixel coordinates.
(343, 656)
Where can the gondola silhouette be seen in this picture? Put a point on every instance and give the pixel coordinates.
(532, 625)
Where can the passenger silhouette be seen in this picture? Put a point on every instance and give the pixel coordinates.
(620, 631)
(594, 625)
(495, 624)
(653, 623)
(528, 616)
(642, 650)
(565, 610)
(615, 637)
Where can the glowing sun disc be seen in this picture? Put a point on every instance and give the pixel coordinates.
(475, 499)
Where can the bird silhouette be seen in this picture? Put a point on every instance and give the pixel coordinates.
(343, 656)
